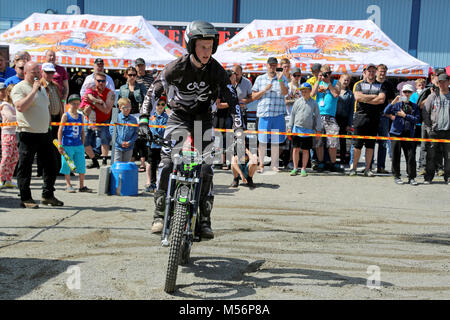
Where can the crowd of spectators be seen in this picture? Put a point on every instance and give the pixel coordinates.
(287, 101)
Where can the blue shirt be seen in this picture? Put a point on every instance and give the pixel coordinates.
(326, 101)
(272, 103)
(400, 124)
(157, 120)
(414, 97)
(9, 72)
(125, 133)
(12, 80)
(72, 134)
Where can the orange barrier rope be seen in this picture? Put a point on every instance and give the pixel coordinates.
(251, 132)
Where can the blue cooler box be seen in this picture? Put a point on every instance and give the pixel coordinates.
(124, 179)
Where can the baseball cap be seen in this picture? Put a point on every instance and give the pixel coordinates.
(139, 61)
(2, 86)
(73, 97)
(407, 87)
(305, 85)
(272, 60)
(316, 67)
(439, 71)
(296, 70)
(98, 60)
(443, 77)
(48, 67)
(369, 66)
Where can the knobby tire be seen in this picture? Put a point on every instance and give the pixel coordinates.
(178, 225)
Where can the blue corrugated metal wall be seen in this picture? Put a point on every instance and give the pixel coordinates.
(185, 10)
(395, 15)
(21, 9)
(434, 32)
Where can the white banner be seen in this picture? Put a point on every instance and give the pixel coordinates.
(347, 46)
(79, 39)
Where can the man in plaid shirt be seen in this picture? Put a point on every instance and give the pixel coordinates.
(270, 89)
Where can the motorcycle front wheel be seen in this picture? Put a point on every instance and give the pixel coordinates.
(178, 225)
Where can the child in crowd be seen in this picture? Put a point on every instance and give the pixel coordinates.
(10, 152)
(244, 170)
(305, 118)
(159, 117)
(71, 139)
(404, 115)
(88, 102)
(125, 135)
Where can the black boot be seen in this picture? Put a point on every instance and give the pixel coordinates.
(205, 207)
(160, 206)
(94, 164)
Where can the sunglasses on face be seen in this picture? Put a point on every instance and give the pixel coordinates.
(100, 81)
(21, 68)
(161, 104)
(297, 75)
(132, 75)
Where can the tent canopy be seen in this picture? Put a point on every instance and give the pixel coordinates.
(347, 46)
(79, 39)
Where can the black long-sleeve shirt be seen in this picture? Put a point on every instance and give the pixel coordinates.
(191, 91)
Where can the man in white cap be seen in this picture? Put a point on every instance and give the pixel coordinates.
(61, 77)
(404, 115)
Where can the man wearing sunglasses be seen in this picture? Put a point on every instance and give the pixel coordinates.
(19, 76)
(101, 101)
(89, 82)
(192, 83)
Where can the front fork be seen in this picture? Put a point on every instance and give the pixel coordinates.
(168, 210)
(194, 203)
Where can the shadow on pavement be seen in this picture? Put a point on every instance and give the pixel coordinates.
(233, 278)
(20, 276)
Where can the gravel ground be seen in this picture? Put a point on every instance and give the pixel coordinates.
(314, 237)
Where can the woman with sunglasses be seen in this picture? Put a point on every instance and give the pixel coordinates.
(135, 92)
(294, 89)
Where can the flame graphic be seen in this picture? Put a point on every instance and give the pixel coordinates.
(333, 45)
(43, 39)
(278, 46)
(97, 41)
(94, 41)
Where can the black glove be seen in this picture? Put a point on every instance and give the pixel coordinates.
(144, 131)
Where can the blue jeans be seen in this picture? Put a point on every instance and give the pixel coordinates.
(383, 145)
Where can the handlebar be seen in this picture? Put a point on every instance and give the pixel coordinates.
(163, 142)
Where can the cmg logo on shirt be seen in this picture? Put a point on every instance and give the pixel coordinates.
(195, 86)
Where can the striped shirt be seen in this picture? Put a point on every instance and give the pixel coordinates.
(272, 103)
(146, 80)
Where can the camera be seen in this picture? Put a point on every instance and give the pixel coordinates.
(279, 69)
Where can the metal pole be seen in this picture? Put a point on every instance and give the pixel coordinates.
(80, 4)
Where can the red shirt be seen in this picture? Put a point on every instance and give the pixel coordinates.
(59, 77)
(101, 117)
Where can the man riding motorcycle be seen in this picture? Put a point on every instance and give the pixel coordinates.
(191, 84)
